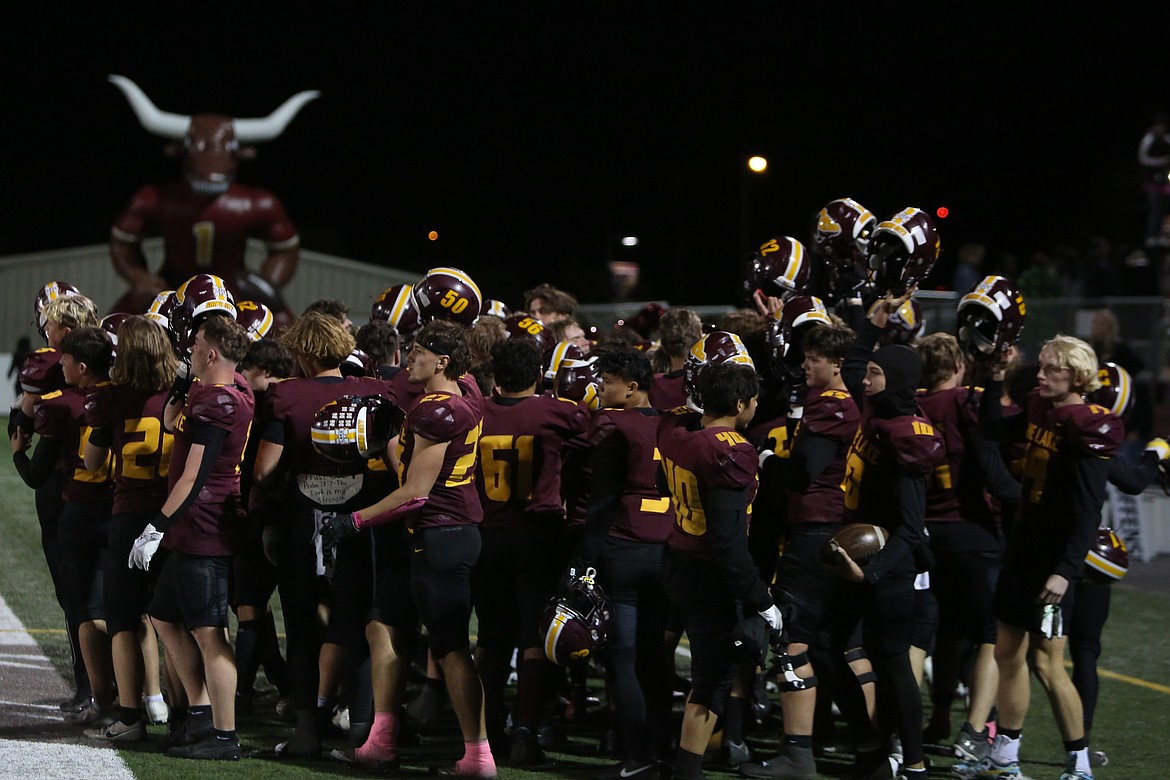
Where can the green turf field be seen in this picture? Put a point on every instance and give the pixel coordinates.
(1133, 712)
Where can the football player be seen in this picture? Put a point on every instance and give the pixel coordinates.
(711, 471)
(314, 484)
(197, 524)
(627, 524)
(812, 475)
(440, 503)
(680, 328)
(125, 418)
(1070, 443)
(521, 451)
(85, 357)
(548, 304)
(886, 470)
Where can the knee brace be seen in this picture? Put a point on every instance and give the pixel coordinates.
(859, 654)
(786, 666)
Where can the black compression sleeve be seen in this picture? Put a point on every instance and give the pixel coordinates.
(727, 526)
(212, 439)
(1088, 494)
(37, 470)
(857, 359)
(607, 478)
(910, 531)
(1133, 478)
(811, 455)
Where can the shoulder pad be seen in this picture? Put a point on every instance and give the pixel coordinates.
(434, 417)
(1094, 429)
(914, 442)
(215, 404)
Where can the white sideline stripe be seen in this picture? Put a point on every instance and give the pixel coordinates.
(25, 657)
(12, 631)
(53, 707)
(42, 760)
(18, 665)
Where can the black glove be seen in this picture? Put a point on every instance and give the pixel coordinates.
(183, 380)
(336, 527)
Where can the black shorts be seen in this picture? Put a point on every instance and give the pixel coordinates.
(964, 584)
(709, 611)
(128, 590)
(83, 535)
(192, 590)
(440, 580)
(805, 587)
(1017, 598)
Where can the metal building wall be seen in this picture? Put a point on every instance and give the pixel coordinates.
(89, 269)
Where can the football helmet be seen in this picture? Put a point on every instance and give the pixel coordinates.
(1108, 559)
(159, 312)
(447, 294)
(902, 251)
(841, 238)
(521, 326)
(495, 308)
(579, 380)
(358, 363)
(200, 296)
(256, 318)
(1116, 390)
(564, 350)
(713, 349)
(354, 428)
(990, 318)
(905, 324)
(111, 322)
(396, 306)
(780, 268)
(783, 336)
(575, 625)
(50, 292)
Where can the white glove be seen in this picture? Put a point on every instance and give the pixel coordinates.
(145, 546)
(1159, 447)
(774, 618)
(764, 455)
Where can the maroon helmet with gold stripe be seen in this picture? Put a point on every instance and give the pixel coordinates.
(991, 318)
(780, 268)
(447, 294)
(395, 306)
(1116, 390)
(902, 251)
(1108, 558)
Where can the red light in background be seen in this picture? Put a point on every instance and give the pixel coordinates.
(942, 212)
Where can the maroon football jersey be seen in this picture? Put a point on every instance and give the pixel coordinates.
(291, 405)
(668, 391)
(457, 419)
(204, 234)
(955, 490)
(831, 414)
(697, 460)
(61, 414)
(211, 521)
(1057, 437)
(141, 448)
(41, 372)
(521, 454)
(881, 451)
(629, 436)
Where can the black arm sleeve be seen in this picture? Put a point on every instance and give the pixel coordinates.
(811, 455)
(909, 534)
(101, 437)
(1133, 478)
(1088, 494)
(212, 439)
(607, 463)
(856, 360)
(727, 528)
(997, 477)
(992, 423)
(37, 470)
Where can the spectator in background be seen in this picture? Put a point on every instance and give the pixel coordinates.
(1154, 157)
(969, 271)
(1040, 279)
(1105, 338)
(548, 304)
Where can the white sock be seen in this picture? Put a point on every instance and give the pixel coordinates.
(1006, 750)
(1082, 760)
(154, 698)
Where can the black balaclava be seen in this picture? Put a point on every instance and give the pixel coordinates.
(903, 370)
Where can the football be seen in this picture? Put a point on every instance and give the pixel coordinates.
(861, 540)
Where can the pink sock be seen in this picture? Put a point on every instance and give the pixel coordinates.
(384, 732)
(991, 730)
(477, 760)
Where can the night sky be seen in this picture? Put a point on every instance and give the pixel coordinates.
(532, 140)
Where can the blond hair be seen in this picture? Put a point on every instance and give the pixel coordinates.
(942, 357)
(1078, 357)
(73, 311)
(318, 337)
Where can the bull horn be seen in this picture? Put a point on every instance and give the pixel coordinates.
(256, 130)
(154, 121)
